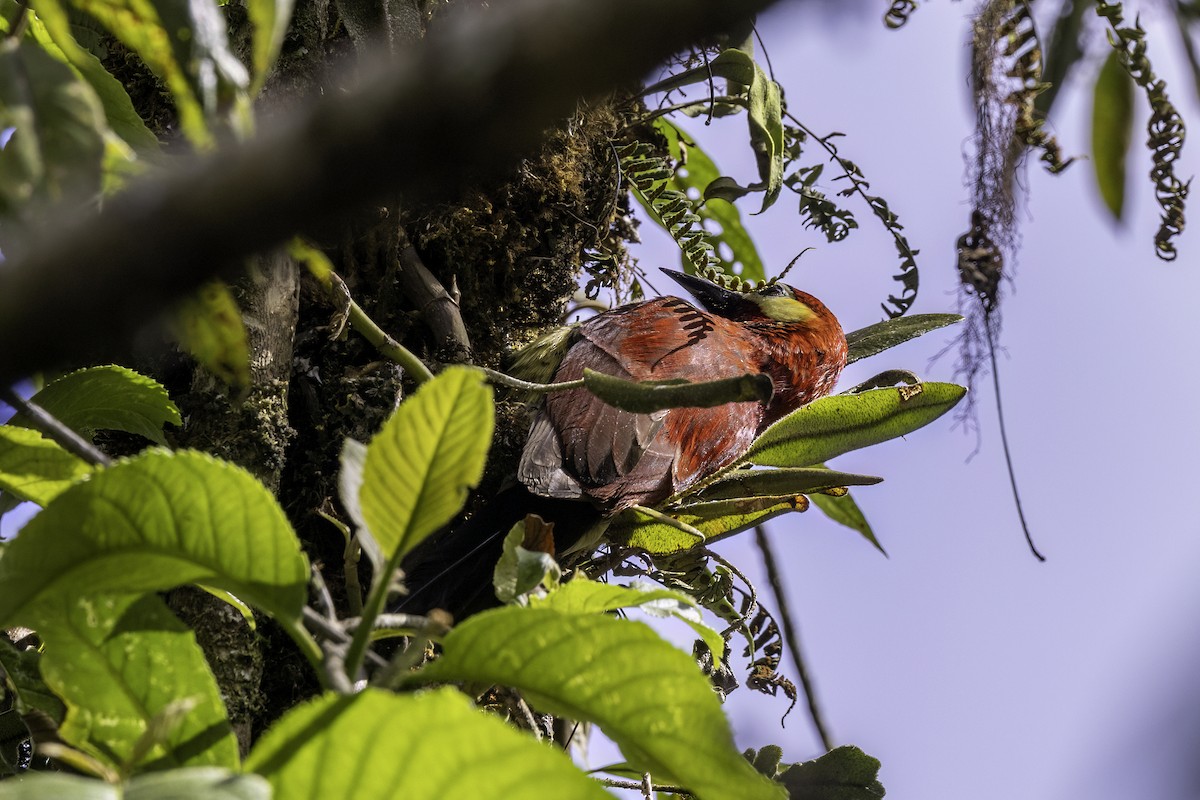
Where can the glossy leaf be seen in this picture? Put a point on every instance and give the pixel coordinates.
(52, 29)
(834, 425)
(120, 663)
(55, 151)
(108, 398)
(152, 523)
(431, 745)
(718, 520)
(35, 468)
(778, 482)
(426, 458)
(1112, 131)
(209, 326)
(874, 339)
(645, 695)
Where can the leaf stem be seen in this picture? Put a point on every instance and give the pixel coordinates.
(1012, 477)
(789, 635)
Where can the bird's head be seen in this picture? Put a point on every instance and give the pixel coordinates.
(775, 303)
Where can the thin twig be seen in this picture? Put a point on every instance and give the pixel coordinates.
(526, 386)
(613, 783)
(323, 599)
(790, 636)
(45, 423)
(377, 336)
(1012, 476)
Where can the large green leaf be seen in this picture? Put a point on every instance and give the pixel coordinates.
(426, 458)
(55, 151)
(151, 523)
(834, 425)
(52, 29)
(432, 745)
(644, 694)
(209, 326)
(193, 783)
(108, 398)
(874, 339)
(1112, 131)
(717, 520)
(779, 482)
(137, 688)
(35, 468)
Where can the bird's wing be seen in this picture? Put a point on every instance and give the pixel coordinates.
(619, 458)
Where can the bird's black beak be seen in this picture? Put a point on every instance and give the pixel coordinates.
(716, 299)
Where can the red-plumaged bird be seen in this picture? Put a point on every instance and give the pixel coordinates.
(584, 459)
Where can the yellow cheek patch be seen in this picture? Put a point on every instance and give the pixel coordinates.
(784, 309)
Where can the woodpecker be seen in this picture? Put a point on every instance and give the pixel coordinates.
(585, 460)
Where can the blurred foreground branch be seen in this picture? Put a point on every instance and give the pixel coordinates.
(461, 108)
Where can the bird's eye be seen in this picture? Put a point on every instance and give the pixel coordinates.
(775, 290)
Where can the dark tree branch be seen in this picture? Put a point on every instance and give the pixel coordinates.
(457, 109)
(52, 428)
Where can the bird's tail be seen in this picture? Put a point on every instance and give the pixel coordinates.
(453, 569)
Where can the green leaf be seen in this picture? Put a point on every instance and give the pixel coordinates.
(185, 44)
(717, 520)
(780, 482)
(766, 134)
(844, 773)
(1112, 131)
(52, 29)
(584, 596)
(270, 19)
(35, 468)
(426, 458)
(520, 571)
(193, 783)
(209, 326)
(151, 523)
(57, 786)
(23, 677)
(122, 664)
(874, 339)
(834, 425)
(431, 745)
(108, 398)
(648, 697)
(56, 149)
(845, 511)
(722, 221)
(647, 397)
